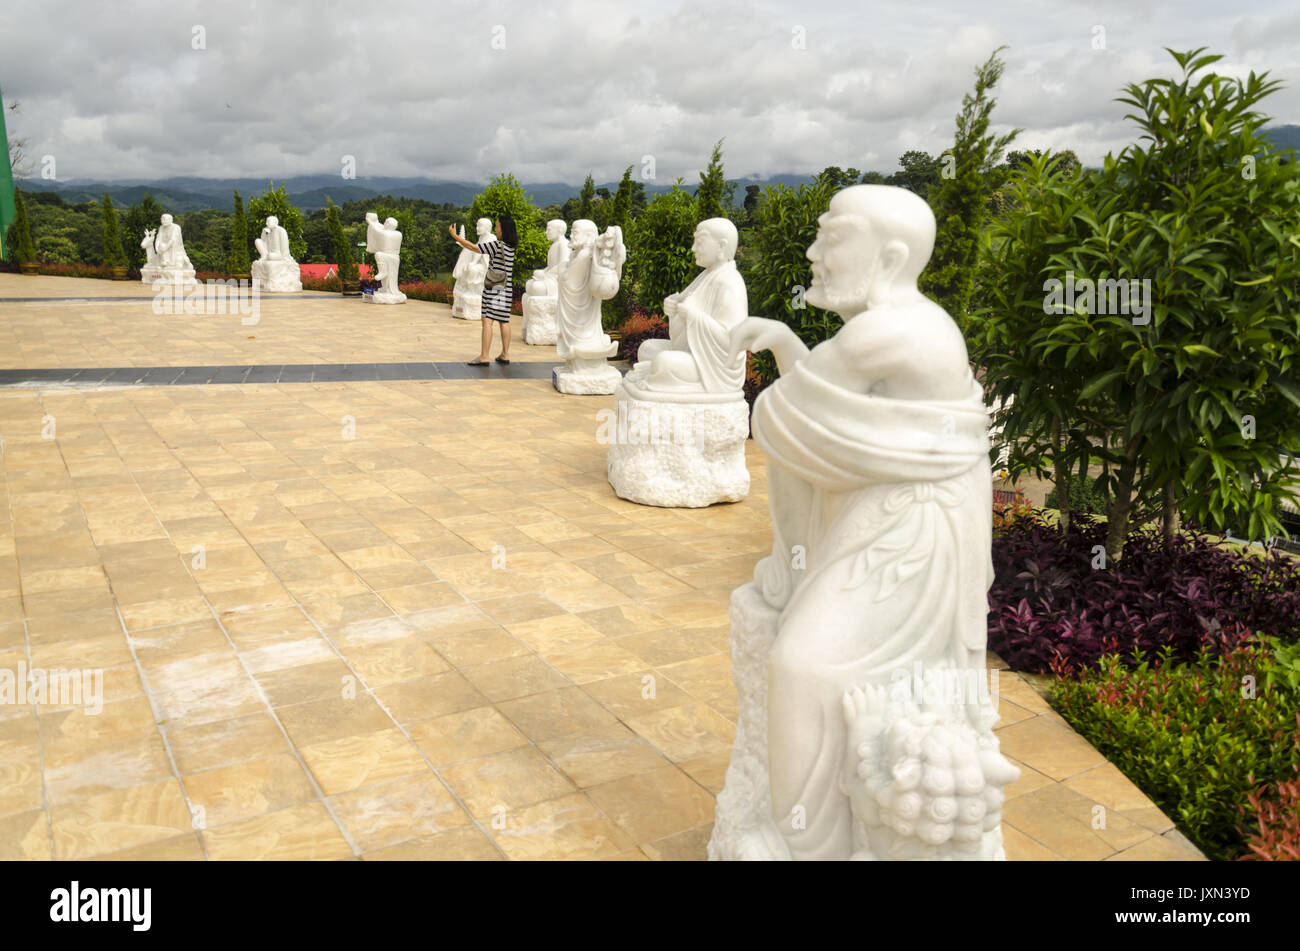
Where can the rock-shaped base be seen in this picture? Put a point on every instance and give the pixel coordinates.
(586, 371)
(677, 454)
(382, 297)
(742, 819)
(466, 306)
(277, 277)
(539, 320)
(170, 275)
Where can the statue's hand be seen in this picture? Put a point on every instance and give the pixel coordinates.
(759, 333)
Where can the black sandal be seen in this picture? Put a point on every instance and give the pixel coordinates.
(503, 360)
(476, 363)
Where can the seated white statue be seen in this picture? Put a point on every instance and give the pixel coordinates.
(697, 357)
(275, 269)
(385, 243)
(170, 262)
(877, 458)
(590, 276)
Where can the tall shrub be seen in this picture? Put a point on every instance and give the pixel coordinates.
(19, 238)
(275, 201)
(114, 253)
(505, 193)
(239, 263)
(343, 260)
(659, 259)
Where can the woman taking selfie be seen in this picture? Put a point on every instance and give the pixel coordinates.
(497, 295)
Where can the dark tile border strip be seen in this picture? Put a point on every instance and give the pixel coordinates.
(275, 373)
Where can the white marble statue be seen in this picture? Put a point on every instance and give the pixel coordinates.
(687, 392)
(150, 252)
(591, 275)
(469, 275)
(540, 300)
(877, 458)
(275, 270)
(384, 241)
(169, 262)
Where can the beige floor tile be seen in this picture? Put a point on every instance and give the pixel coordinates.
(428, 697)
(224, 742)
(595, 662)
(1021, 848)
(566, 828)
(24, 836)
(503, 782)
(471, 648)
(514, 677)
(556, 713)
(465, 736)
(394, 661)
(1170, 847)
(354, 762)
(232, 793)
(76, 772)
(181, 848)
(689, 846)
(303, 832)
(601, 754)
(686, 732)
(383, 815)
(319, 721)
(465, 843)
(1051, 748)
(636, 694)
(121, 819)
(654, 805)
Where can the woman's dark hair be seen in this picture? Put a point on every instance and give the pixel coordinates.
(508, 232)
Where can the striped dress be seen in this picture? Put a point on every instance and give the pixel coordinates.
(497, 300)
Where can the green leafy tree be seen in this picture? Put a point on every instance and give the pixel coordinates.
(18, 241)
(713, 195)
(960, 201)
(238, 262)
(838, 177)
(275, 201)
(587, 199)
(777, 271)
(343, 259)
(660, 261)
(615, 310)
(504, 193)
(1182, 366)
(114, 253)
(918, 172)
(143, 216)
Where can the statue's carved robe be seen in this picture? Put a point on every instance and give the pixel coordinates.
(719, 293)
(891, 503)
(582, 286)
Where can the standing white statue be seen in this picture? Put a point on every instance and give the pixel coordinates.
(590, 276)
(385, 243)
(275, 270)
(540, 301)
(469, 275)
(681, 416)
(170, 262)
(858, 650)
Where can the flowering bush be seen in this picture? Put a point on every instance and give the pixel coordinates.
(1054, 594)
(1197, 738)
(640, 326)
(427, 290)
(1275, 812)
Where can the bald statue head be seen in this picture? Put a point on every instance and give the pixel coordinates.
(484, 227)
(166, 220)
(872, 243)
(390, 224)
(272, 221)
(583, 234)
(715, 242)
(555, 229)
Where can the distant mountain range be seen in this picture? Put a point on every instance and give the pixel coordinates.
(309, 192)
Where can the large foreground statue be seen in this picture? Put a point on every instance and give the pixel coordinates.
(168, 262)
(590, 276)
(470, 274)
(541, 294)
(275, 269)
(858, 648)
(385, 243)
(681, 416)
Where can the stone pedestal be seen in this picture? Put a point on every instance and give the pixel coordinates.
(381, 297)
(171, 275)
(588, 373)
(467, 306)
(278, 277)
(539, 320)
(683, 451)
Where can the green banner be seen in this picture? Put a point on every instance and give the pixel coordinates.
(6, 185)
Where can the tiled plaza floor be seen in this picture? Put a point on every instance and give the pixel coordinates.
(397, 619)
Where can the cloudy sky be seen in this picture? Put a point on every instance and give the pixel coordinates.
(553, 89)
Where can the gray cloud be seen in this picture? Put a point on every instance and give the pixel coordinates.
(416, 88)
